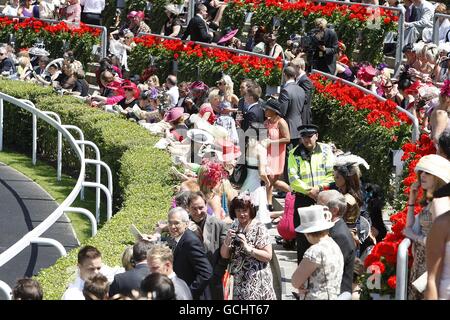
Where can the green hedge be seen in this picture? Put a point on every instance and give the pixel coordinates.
(140, 172)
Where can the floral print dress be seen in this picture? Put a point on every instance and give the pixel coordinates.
(252, 278)
(325, 282)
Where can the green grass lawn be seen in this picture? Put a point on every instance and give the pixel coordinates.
(45, 176)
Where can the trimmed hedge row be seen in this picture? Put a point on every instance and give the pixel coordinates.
(140, 172)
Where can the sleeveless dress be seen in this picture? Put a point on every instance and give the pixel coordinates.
(419, 266)
(27, 13)
(275, 153)
(444, 284)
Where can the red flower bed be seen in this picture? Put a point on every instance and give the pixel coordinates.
(352, 11)
(384, 113)
(39, 26)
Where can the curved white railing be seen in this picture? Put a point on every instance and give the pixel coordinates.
(34, 236)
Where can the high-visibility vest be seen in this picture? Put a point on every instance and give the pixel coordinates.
(304, 175)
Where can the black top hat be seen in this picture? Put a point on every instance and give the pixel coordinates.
(274, 105)
(308, 129)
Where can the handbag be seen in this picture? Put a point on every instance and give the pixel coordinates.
(286, 227)
(239, 174)
(228, 284)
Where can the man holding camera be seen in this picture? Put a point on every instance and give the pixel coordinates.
(325, 47)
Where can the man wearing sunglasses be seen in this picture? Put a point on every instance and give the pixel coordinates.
(6, 64)
(310, 170)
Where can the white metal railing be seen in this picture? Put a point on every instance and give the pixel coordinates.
(35, 235)
(402, 270)
(415, 122)
(103, 36)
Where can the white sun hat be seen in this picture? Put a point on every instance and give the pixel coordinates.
(314, 218)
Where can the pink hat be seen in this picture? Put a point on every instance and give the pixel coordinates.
(198, 85)
(132, 14)
(229, 150)
(228, 36)
(174, 114)
(365, 75)
(140, 15)
(127, 84)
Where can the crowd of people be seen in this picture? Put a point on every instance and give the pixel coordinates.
(235, 149)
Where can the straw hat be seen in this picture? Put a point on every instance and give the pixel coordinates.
(172, 9)
(435, 165)
(314, 218)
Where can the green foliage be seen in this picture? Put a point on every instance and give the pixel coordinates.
(140, 172)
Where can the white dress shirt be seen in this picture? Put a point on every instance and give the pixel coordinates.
(173, 95)
(93, 6)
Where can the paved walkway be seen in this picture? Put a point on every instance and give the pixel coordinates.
(23, 205)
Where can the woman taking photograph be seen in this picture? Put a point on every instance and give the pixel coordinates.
(319, 274)
(248, 246)
(433, 172)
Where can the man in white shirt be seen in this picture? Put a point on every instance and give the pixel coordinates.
(425, 12)
(89, 264)
(172, 92)
(160, 260)
(92, 11)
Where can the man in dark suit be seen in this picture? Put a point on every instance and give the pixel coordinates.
(190, 262)
(340, 233)
(326, 47)
(130, 280)
(304, 82)
(292, 100)
(253, 111)
(197, 27)
(212, 232)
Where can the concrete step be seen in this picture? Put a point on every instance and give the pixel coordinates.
(90, 78)
(92, 67)
(93, 88)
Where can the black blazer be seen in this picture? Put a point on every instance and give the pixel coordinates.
(255, 114)
(307, 85)
(342, 236)
(125, 282)
(198, 30)
(191, 264)
(292, 99)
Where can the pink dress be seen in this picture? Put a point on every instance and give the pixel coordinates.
(275, 153)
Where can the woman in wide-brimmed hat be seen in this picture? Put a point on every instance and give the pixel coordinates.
(172, 26)
(278, 138)
(319, 274)
(433, 172)
(176, 117)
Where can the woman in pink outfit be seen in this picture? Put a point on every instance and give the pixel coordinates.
(73, 11)
(278, 138)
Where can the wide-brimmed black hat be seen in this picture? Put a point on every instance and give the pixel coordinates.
(308, 129)
(274, 105)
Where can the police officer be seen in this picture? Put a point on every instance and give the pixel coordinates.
(310, 170)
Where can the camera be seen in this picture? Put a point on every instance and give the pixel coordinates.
(236, 241)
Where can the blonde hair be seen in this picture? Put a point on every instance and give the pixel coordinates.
(127, 256)
(155, 80)
(24, 61)
(428, 195)
(213, 94)
(298, 63)
(229, 86)
(321, 22)
(160, 252)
